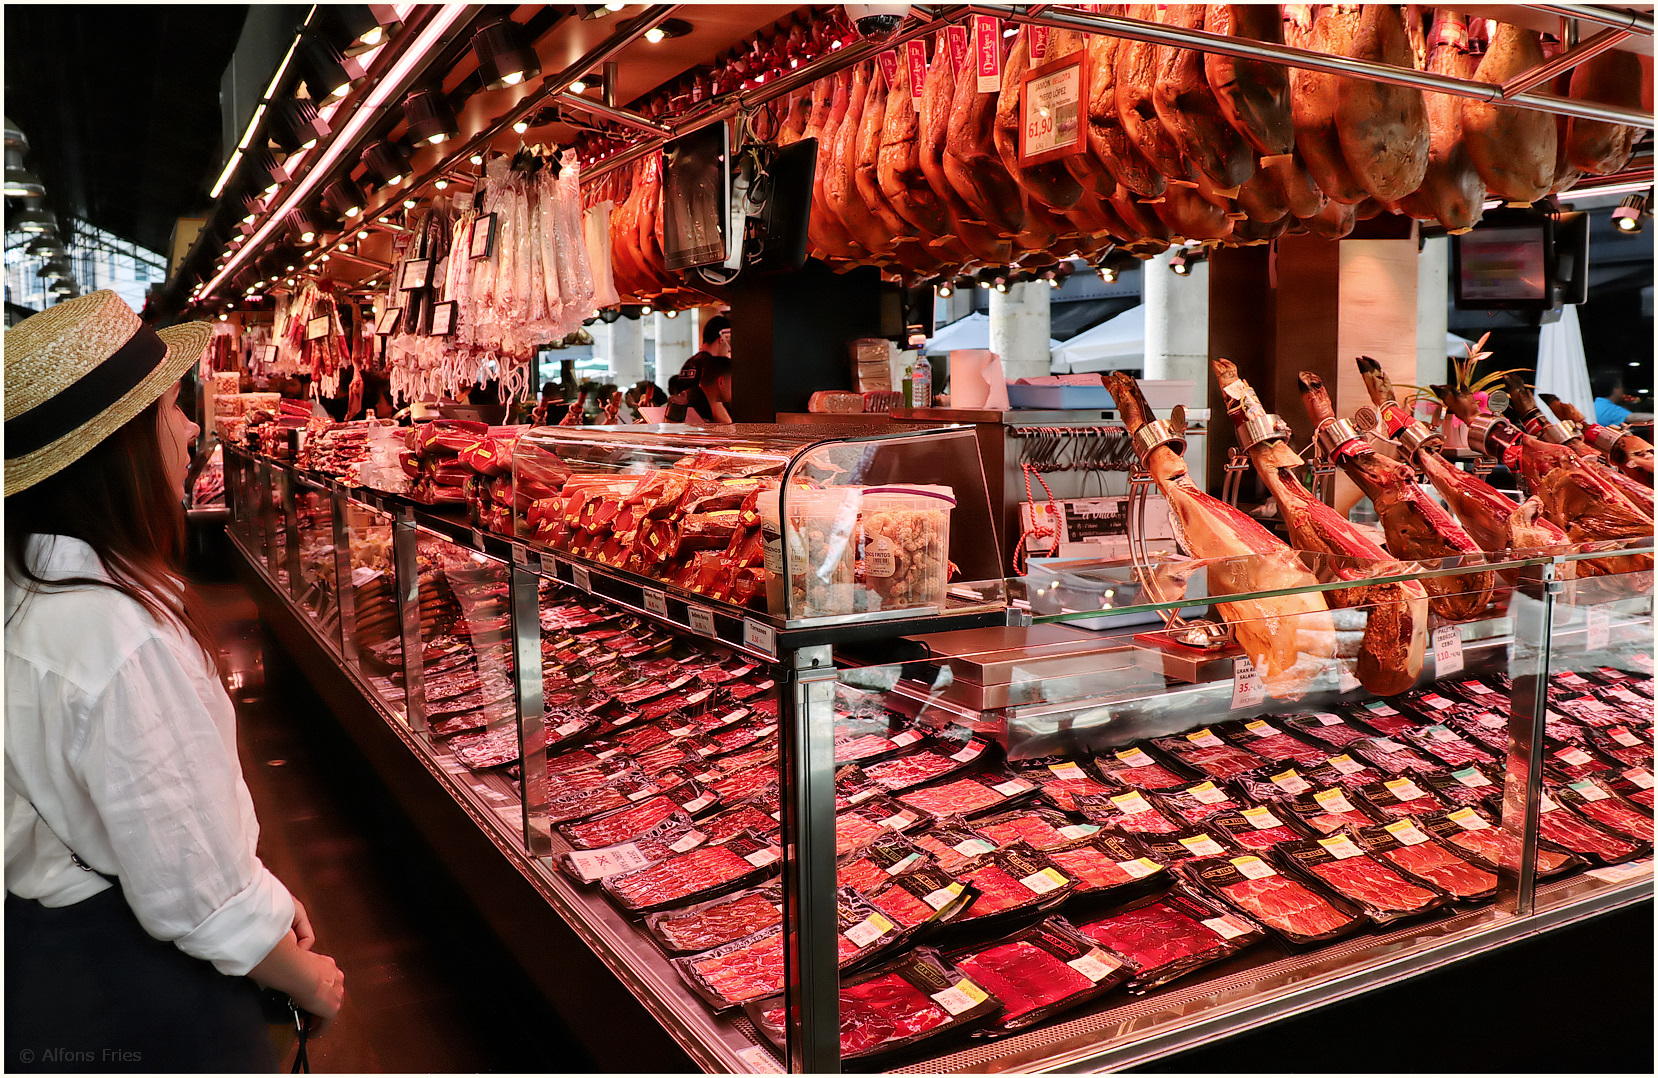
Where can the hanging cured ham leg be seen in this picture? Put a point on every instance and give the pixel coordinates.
(1108, 143)
(1513, 148)
(1189, 111)
(1136, 87)
(1383, 129)
(937, 99)
(1492, 519)
(972, 163)
(1314, 96)
(1050, 183)
(1613, 77)
(1289, 638)
(1253, 95)
(1451, 192)
(1396, 623)
(828, 237)
(1628, 452)
(1417, 528)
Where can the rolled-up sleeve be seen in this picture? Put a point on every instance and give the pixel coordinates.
(168, 788)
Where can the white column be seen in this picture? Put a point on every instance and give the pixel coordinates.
(1177, 338)
(1019, 328)
(675, 343)
(622, 345)
(1433, 283)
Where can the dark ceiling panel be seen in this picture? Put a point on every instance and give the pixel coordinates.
(121, 107)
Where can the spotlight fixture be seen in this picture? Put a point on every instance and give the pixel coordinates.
(263, 174)
(1627, 217)
(579, 86)
(34, 219)
(646, 309)
(387, 163)
(365, 26)
(408, 203)
(667, 28)
(655, 34)
(301, 227)
(344, 197)
(1108, 274)
(521, 126)
(14, 136)
(45, 246)
(671, 314)
(327, 72)
(20, 182)
(363, 235)
(296, 126)
(476, 159)
(944, 290)
(442, 185)
(504, 58)
(429, 117)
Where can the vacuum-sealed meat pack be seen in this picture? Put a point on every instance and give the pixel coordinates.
(1296, 911)
(1340, 862)
(1042, 971)
(1171, 935)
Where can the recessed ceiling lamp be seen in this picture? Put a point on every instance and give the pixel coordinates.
(365, 26)
(387, 163)
(327, 72)
(34, 219)
(429, 117)
(344, 197)
(667, 28)
(504, 57)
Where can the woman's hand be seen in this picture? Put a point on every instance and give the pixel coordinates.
(303, 933)
(327, 993)
(313, 981)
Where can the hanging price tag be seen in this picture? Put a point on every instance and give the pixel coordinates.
(760, 637)
(580, 578)
(1050, 110)
(520, 554)
(957, 37)
(888, 63)
(656, 601)
(1447, 650)
(987, 53)
(1600, 629)
(701, 620)
(915, 53)
(549, 565)
(1247, 690)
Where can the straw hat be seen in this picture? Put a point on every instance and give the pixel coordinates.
(76, 372)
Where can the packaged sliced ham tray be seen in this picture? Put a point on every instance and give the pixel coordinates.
(1205, 751)
(1323, 727)
(1581, 835)
(1472, 832)
(691, 877)
(1257, 828)
(977, 795)
(1595, 799)
(1063, 779)
(924, 897)
(1393, 798)
(1299, 912)
(1010, 884)
(1137, 768)
(1041, 828)
(1041, 971)
(1411, 847)
(706, 925)
(1198, 801)
(1132, 811)
(1383, 891)
(1171, 935)
(1110, 867)
(916, 998)
(1270, 743)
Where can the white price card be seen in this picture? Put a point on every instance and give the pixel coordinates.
(1406, 832)
(1479, 687)
(760, 637)
(868, 930)
(964, 995)
(760, 1061)
(478, 538)
(900, 865)
(1078, 830)
(761, 858)
(688, 842)
(1436, 701)
(701, 619)
(1226, 926)
(906, 738)
(1340, 846)
(1135, 758)
(597, 864)
(1599, 633)
(1490, 720)
(968, 752)
(1205, 738)
(1623, 737)
(1622, 873)
(1247, 690)
(1291, 782)
(549, 564)
(520, 554)
(1441, 733)
(1403, 789)
(1380, 708)
(1253, 868)
(1546, 803)
(656, 601)
(1202, 846)
(1326, 719)
(1471, 777)
(1590, 791)
(1447, 650)
(1574, 756)
(362, 575)
(1049, 879)
(1096, 965)
(1346, 764)
(1333, 800)
(1469, 820)
(1387, 744)
(1011, 789)
(972, 847)
(943, 896)
(898, 822)
(1140, 867)
(580, 578)
(1260, 818)
(1640, 776)
(1207, 793)
(698, 804)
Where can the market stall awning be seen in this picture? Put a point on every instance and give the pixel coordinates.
(1112, 345)
(970, 332)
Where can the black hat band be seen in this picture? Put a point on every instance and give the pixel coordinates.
(88, 397)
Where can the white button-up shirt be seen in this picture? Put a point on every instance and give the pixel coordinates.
(120, 734)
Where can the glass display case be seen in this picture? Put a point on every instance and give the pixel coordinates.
(1078, 819)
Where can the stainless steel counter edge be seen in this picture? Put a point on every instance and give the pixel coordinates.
(712, 1042)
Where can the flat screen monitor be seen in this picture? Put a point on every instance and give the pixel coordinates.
(1504, 266)
(696, 198)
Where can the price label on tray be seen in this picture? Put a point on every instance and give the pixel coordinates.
(1346, 764)
(868, 930)
(1049, 879)
(1135, 758)
(1591, 791)
(1387, 744)
(760, 637)
(1479, 688)
(1622, 873)
(759, 1060)
(1490, 720)
(1346, 682)
(1334, 800)
(1260, 728)
(580, 577)
(1380, 708)
(1207, 793)
(1140, 867)
(698, 805)
(1447, 650)
(1640, 776)
(906, 738)
(1469, 820)
(478, 538)
(701, 620)
(656, 601)
(1078, 830)
(1131, 804)
(1623, 737)
(611, 861)
(1599, 628)
(1253, 868)
(1546, 803)
(861, 796)
(761, 858)
(900, 865)
(898, 822)
(1067, 771)
(1436, 701)
(969, 752)
(1226, 926)
(1403, 789)
(1206, 738)
(962, 996)
(566, 729)
(1573, 755)
(1011, 788)
(1626, 696)
(1340, 846)
(1291, 782)
(688, 842)
(972, 847)
(640, 795)
(549, 564)
(1326, 719)
(1406, 832)
(363, 574)
(1096, 965)
(943, 896)
(1202, 846)
(1247, 690)
(1260, 817)
(1441, 733)
(1471, 777)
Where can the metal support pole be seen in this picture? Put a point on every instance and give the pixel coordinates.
(1523, 778)
(343, 587)
(811, 966)
(404, 537)
(532, 715)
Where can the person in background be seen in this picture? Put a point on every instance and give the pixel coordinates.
(140, 921)
(705, 404)
(716, 344)
(646, 394)
(1610, 398)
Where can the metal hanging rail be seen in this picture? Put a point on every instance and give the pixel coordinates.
(1633, 21)
(1567, 60)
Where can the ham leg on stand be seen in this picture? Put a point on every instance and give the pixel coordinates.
(1289, 638)
(1628, 452)
(1396, 614)
(1495, 521)
(1417, 528)
(1539, 424)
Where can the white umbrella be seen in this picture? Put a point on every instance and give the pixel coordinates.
(1115, 343)
(970, 332)
(1562, 365)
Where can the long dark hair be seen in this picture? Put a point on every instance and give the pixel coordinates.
(117, 500)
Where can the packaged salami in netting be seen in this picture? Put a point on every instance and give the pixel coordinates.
(1300, 913)
(1379, 889)
(1042, 971)
(1171, 935)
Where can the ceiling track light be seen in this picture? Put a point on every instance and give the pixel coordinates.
(327, 72)
(297, 126)
(504, 58)
(301, 227)
(344, 197)
(20, 181)
(387, 163)
(364, 27)
(429, 117)
(1627, 217)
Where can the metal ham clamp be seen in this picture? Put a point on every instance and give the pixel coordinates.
(1396, 623)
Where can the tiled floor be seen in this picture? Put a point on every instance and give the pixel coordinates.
(427, 987)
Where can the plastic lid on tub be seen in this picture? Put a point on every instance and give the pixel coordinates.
(936, 492)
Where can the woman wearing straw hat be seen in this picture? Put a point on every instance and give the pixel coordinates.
(138, 916)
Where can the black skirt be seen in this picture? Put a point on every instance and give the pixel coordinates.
(87, 989)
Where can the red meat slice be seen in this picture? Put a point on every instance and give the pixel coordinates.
(746, 973)
(709, 928)
(733, 821)
(1440, 867)
(953, 798)
(883, 1009)
(1154, 936)
(1374, 884)
(1220, 761)
(1064, 792)
(862, 875)
(1642, 797)
(1285, 747)
(853, 830)
(910, 770)
(1024, 977)
(1264, 838)
(1618, 818)
(1032, 829)
(998, 891)
(1093, 868)
(1424, 805)
(700, 870)
(1560, 826)
(1146, 777)
(1283, 904)
(902, 906)
(620, 826)
(859, 748)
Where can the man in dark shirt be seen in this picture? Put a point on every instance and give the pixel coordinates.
(716, 344)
